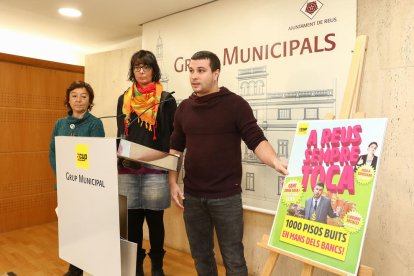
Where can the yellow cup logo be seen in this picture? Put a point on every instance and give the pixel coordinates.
(303, 129)
(82, 156)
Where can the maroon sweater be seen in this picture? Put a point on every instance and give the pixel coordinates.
(211, 128)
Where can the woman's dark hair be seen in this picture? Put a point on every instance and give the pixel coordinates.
(146, 58)
(373, 143)
(79, 84)
(214, 60)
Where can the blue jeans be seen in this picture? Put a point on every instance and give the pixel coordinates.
(145, 191)
(201, 216)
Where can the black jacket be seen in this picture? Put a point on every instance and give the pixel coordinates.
(139, 134)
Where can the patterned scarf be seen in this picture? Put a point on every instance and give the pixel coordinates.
(144, 102)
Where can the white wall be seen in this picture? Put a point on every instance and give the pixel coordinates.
(27, 45)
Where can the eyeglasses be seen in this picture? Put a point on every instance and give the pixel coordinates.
(144, 67)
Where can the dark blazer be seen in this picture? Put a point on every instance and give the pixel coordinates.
(323, 209)
(364, 161)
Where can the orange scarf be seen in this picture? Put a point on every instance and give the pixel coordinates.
(144, 102)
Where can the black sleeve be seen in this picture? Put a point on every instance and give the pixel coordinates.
(120, 119)
(171, 107)
(167, 112)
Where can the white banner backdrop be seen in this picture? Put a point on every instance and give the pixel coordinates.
(288, 58)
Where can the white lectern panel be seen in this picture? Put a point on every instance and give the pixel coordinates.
(87, 185)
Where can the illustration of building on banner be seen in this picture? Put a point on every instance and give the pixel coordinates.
(159, 54)
(323, 211)
(277, 114)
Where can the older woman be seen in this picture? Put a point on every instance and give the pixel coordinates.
(148, 120)
(78, 122)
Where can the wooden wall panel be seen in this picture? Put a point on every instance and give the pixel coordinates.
(31, 100)
(26, 129)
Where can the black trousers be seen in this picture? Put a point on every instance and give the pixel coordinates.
(74, 270)
(155, 222)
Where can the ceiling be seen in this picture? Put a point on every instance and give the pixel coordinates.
(103, 23)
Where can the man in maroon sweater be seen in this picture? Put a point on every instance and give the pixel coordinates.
(210, 125)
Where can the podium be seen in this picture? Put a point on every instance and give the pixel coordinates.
(91, 215)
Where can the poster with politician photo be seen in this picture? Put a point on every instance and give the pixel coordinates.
(326, 199)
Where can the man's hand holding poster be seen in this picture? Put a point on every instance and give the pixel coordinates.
(325, 202)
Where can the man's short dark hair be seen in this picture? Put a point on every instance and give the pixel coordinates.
(214, 60)
(320, 184)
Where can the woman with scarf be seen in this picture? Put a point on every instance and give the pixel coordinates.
(145, 116)
(368, 159)
(79, 122)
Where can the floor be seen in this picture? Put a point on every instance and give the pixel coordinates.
(33, 251)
